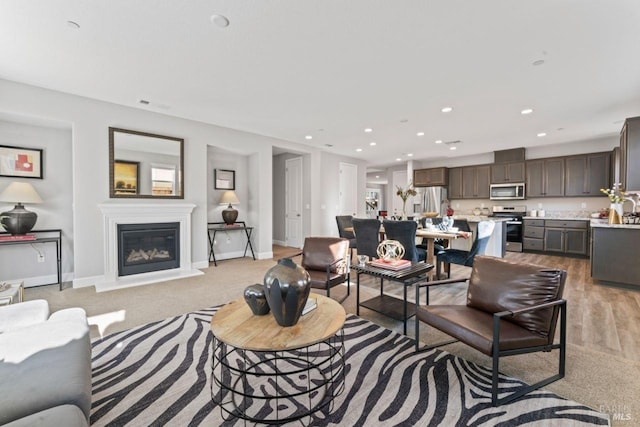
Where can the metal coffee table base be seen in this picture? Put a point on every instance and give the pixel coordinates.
(276, 387)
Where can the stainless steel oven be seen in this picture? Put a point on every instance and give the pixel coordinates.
(514, 229)
(513, 191)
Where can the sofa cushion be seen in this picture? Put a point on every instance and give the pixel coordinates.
(27, 313)
(59, 416)
(45, 365)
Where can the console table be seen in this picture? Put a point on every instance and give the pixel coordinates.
(271, 374)
(42, 236)
(215, 227)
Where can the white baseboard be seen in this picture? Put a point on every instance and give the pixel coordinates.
(85, 282)
(199, 264)
(279, 242)
(264, 255)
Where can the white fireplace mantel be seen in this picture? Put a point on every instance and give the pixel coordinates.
(140, 213)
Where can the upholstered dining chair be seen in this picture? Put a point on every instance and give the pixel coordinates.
(367, 233)
(461, 257)
(512, 308)
(405, 233)
(327, 260)
(344, 222)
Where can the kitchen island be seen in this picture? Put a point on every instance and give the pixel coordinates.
(613, 252)
(497, 242)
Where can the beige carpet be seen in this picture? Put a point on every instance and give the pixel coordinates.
(603, 382)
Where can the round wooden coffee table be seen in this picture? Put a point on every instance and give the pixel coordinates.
(263, 372)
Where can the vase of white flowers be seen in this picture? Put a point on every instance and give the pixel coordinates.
(616, 197)
(404, 195)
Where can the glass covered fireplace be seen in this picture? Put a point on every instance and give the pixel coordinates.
(143, 248)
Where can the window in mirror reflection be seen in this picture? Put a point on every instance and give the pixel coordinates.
(163, 179)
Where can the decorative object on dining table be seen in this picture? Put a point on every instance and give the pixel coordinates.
(404, 194)
(229, 215)
(19, 221)
(287, 287)
(390, 250)
(616, 197)
(256, 299)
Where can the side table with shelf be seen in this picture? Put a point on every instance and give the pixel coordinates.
(13, 294)
(215, 227)
(42, 236)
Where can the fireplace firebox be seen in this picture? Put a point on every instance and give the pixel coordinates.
(144, 248)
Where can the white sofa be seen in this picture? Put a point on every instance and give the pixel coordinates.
(45, 366)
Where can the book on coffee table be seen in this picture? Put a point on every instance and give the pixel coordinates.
(312, 304)
(397, 264)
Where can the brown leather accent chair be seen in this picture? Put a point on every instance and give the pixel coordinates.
(328, 262)
(511, 308)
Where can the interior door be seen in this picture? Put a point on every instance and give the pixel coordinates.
(348, 198)
(293, 200)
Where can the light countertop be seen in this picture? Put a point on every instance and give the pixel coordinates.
(604, 223)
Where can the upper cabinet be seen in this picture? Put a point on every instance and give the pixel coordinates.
(545, 178)
(455, 183)
(507, 172)
(433, 177)
(630, 154)
(469, 182)
(586, 174)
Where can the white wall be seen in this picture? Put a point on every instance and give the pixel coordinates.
(86, 163)
(90, 120)
(20, 261)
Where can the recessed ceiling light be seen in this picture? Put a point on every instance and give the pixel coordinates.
(538, 62)
(308, 137)
(410, 155)
(439, 141)
(541, 134)
(367, 130)
(447, 109)
(527, 111)
(220, 20)
(420, 133)
(453, 148)
(358, 149)
(372, 143)
(398, 159)
(73, 24)
(377, 176)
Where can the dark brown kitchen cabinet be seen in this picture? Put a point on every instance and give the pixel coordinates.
(545, 177)
(455, 183)
(566, 236)
(507, 172)
(586, 174)
(475, 182)
(630, 154)
(432, 177)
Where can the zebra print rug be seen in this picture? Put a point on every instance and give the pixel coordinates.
(160, 374)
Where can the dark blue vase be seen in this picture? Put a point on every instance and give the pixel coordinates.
(287, 287)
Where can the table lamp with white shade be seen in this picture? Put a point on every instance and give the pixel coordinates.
(19, 221)
(230, 214)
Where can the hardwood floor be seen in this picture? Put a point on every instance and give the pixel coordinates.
(600, 317)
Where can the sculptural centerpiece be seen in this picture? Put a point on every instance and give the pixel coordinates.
(287, 287)
(390, 250)
(255, 298)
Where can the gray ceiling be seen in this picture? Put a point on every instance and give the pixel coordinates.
(330, 69)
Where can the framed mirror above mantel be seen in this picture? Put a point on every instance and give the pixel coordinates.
(145, 165)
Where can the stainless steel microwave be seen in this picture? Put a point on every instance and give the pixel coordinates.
(510, 191)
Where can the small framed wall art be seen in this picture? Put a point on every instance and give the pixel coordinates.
(224, 179)
(20, 162)
(126, 176)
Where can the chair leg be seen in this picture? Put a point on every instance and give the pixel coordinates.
(437, 269)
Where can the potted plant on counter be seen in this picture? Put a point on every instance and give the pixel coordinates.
(616, 197)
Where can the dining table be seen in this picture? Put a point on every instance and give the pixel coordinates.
(430, 235)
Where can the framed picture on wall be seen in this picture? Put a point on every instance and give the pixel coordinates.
(224, 179)
(20, 162)
(126, 176)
